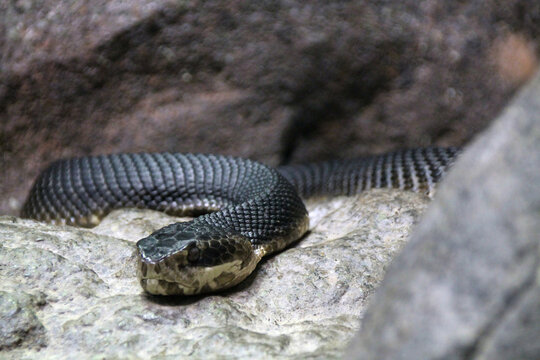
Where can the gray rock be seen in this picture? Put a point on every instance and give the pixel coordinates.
(304, 302)
(467, 285)
(19, 325)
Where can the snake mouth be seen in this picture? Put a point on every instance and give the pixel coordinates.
(157, 286)
(165, 287)
(159, 279)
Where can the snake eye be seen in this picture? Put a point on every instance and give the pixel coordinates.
(193, 254)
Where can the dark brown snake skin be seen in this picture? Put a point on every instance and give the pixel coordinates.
(248, 209)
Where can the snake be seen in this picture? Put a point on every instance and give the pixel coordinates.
(243, 210)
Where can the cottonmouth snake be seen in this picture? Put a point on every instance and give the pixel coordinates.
(247, 210)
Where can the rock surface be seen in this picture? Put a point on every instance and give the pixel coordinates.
(279, 81)
(467, 285)
(69, 291)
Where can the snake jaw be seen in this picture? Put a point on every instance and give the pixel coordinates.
(160, 279)
(199, 280)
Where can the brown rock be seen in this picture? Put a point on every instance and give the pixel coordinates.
(276, 82)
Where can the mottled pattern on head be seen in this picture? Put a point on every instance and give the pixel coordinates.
(188, 258)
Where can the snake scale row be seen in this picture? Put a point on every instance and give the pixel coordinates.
(247, 209)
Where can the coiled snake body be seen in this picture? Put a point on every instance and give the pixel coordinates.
(248, 210)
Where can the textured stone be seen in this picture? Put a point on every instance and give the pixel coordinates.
(467, 286)
(279, 82)
(304, 302)
(19, 325)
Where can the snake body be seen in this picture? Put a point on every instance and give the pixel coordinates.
(247, 209)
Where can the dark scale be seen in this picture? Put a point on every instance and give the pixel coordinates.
(73, 189)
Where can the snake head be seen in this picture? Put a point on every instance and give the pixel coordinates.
(183, 259)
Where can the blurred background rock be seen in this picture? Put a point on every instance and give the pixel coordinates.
(276, 81)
